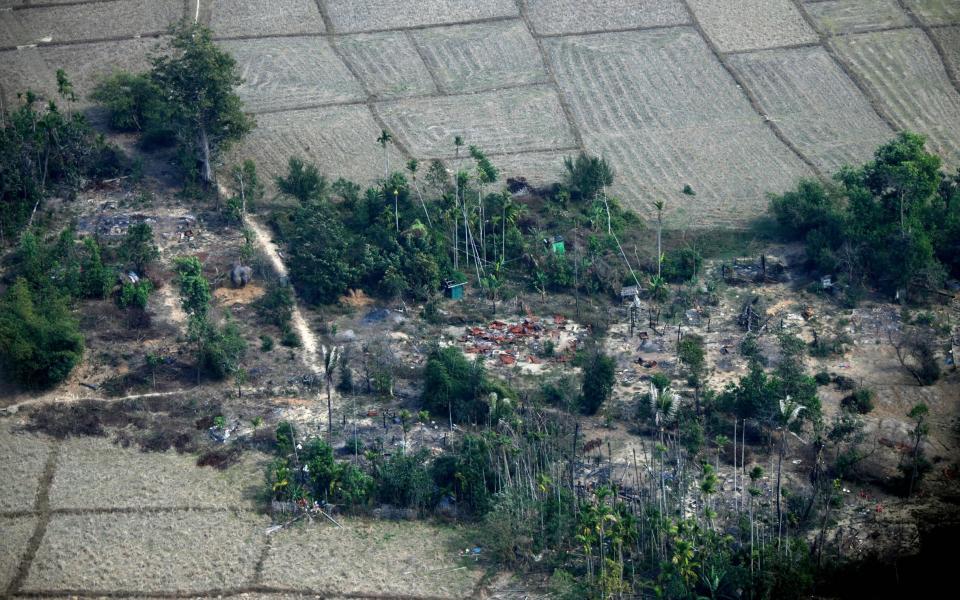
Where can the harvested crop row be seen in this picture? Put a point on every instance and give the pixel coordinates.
(160, 552)
(94, 473)
(553, 17)
(95, 21)
(349, 16)
(370, 558)
(935, 12)
(85, 65)
(752, 24)
(23, 457)
(905, 73)
(388, 64)
(15, 533)
(296, 72)
(855, 16)
(252, 17)
(815, 104)
(472, 58)
(512, 120)
(340, 140)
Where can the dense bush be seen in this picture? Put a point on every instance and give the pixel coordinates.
(39, 339)
(598, 380)
(457, 388)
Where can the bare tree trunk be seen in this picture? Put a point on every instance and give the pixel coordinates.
(783, 443)
(205, 147)
(329, 412)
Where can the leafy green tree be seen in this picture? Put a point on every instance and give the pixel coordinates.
(135, 295)
(95, 278)
(598, 379)
(198, 80)
(319, 259)
(303, 181)
(138, 248)
(587, 175)
(40, 342)
(692, 353)
(134, 102)
(247, 188)
(195, 293)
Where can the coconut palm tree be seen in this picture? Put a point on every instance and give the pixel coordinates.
(330, 357)
(659, 206)
(384, 139)
(788, 414)
(412, 166)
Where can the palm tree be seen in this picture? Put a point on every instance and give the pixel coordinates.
(605, 177)
(659, 206)
(384, 139)
(412, 165)
(330, 356)
(789, 411)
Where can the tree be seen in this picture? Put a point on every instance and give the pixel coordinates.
(412, 166)
(95, 278)
(138, 248)
(789, 412)
(692, 353)
(134, 102)
(40, 341)
(330, 357)
(658, 205)
(598, 379)
(194, 289)
(304, 182)
(248, 190)
(198, 81)
(383, 139)
(918, 464)
(587, 175)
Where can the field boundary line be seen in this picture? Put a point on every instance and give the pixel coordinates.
(427, 25)
(800, 46)
(267, 36)
(148, 510)
(116, 38)
(937, 46)
(42, 4)
(369, 102)
(602, 31)
(858, 81)
(552, 77)
(221, 593)
(751, 98)
(441, 89)
(42, 510)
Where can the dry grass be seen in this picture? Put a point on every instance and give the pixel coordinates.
(15, 533)
(94, 473)
(575, 16)
(750, 24)
(22, 458)
(252, 17)
(388, 64)
(350, 16)
(849, 16)
(369, 557)
(161, 552)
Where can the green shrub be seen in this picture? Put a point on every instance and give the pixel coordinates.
(822, 378)
(860, 401)
(40, 342)
(266, 343)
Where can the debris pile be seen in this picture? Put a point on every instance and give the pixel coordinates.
(532, 340)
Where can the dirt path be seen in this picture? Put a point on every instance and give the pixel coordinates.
(307, 337)
(57, 397)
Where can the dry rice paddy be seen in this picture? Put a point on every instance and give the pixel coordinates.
(737, 98)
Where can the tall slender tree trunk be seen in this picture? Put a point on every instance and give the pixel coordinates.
(329, 412)
(783, 443)
(205, 148)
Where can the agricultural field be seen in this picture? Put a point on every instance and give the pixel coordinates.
(855, 16)
(935, 12)
(95, 472)
(34, 67)
(388, 64)
(341, 140)
(736, 25)
(473, 58)
(905, 74)
(557, 17)
(663, 109)
(23, 457)
(815, 104)
(528, 78)
(371, 559)
(294, 72)
(513, 120)
(88, 21)
(250, 18)
(351, 16)
(15, 532)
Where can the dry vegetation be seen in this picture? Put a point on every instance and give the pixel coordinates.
(181, 551)
(97, 473)
(23, 456)
(375, 558)
(15, 533)
(235, 18)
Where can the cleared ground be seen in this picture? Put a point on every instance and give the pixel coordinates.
(22, 460)
(526, 78)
